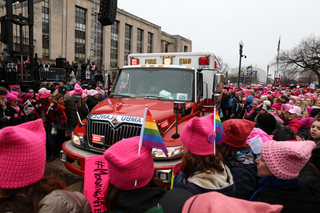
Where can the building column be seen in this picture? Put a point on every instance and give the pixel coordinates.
(121, 41)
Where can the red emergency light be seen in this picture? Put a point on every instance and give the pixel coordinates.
(204, 61)
(134, 61)
(164, 124)
(215, 64)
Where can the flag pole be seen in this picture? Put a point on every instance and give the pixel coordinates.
(278, 55)
(214, 127)
(142, 127)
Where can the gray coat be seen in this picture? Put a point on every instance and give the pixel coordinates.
(71, 111)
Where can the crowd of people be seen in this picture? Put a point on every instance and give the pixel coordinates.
(54, 104)
(237, 175)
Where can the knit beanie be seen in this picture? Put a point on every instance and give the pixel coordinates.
(45, 94)
(22, 154)
(250, 99)
(11, 97)
(26, 96)
(198, 136)
(216, 202)
(237, 131)
(83, 95)
(286, 159)
(127, 170)
(315, 112)
(77, 89)
(277, 106)
(309, 109)
(284, 97)
(266, 122)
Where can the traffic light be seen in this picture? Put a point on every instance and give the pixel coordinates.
(4, 29)
(108, 12)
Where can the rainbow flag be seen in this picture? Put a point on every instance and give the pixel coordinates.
(150, 136)
(218, 128)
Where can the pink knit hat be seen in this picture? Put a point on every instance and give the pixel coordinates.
(45, 94)
(286, 159)
(22, 154)
(128, 170)
(277, 106)
(77, 89)
(83, 95)
(198, 136)
(11, 97)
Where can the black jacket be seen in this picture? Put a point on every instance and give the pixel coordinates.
(63, 90)
(3, 120)
(315, 158)
(294, 198)
(92, 102)
(16, 117)
(309, 179)
(141, 200)
(245, 177)
(303, 133)
(71, 111)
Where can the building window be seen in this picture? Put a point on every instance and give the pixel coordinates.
(185, 48)
(127, 45)
(45, 29)
(166, 48)
(99, 43)
(80, 35)
(139, 40)
(149, 47)
(114, 44)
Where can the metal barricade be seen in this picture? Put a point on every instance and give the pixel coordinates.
(52, 74)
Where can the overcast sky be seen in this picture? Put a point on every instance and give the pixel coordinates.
(218, 25)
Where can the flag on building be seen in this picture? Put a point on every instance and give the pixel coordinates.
(249, 67)
(150, 136)
(251, 72)
(218, 128)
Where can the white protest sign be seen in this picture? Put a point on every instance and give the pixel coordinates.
(27, 107)
(256, 144)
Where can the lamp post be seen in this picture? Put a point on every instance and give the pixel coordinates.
(267, 73)
(240, 52)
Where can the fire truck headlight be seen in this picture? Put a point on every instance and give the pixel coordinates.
(76, 139)
(173, 152)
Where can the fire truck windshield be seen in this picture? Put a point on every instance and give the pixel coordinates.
(155, 83)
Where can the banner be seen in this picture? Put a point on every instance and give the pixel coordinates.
(95, 181)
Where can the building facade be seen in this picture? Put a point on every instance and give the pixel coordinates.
(62, 28)
(254, 75)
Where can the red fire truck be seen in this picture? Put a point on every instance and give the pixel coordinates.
(158, 80)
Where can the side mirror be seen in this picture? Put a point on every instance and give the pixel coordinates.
(178, 108)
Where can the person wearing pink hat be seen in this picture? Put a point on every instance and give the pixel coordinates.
(14, 110)
(239, 157)
(294, 117)
(300, 103)
(279, 166)
(93, 99)
(24, 185)
(49, 115)
(28, 101)
(71, 108)
(4, 118)
(133, 187)
(202, 171)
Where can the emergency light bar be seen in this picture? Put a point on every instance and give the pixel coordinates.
(134, 61)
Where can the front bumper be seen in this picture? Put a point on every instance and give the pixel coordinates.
(163, 169)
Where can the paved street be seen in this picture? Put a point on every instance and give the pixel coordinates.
(74, 182)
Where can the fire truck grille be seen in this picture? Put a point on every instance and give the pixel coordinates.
(112, 135)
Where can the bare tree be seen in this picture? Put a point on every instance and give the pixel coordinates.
(307, 77)
(302, 58)
(289, 76)
(224, 66)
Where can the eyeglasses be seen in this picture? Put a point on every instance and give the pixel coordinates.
(16, 101)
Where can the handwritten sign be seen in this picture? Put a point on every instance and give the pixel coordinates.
(96, 181)
(256, 144)
(27, 107)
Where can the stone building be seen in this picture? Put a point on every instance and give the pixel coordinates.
(62, 28)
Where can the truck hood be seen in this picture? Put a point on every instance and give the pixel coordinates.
(160, 110)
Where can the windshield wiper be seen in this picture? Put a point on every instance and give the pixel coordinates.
(154, 96)
(122, 95)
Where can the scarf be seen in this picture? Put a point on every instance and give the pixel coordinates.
(250, 113)
(272, 182)
(63, 109)
(17, 108)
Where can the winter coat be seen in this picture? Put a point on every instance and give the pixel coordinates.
(71, 111)
(63, 90)
(143, 199)
(279, 134)
(202, 182)
(245, 176)
(305, 128)
(3, 120)
(295, 125)
(293, 197)
(309, 179)
(64, 201)
(92, 102)
(16, 117)
(315, 158)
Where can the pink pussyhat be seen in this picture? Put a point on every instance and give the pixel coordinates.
(22, 154)
(45, 94)
(77, 89)
(286, 159)
(259, 132)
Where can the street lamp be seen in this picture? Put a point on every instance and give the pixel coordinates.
(267, 73)
(240, 52)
